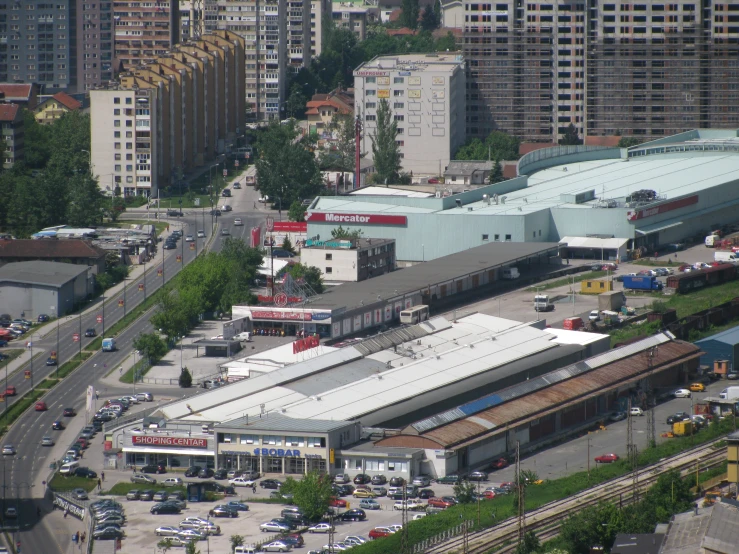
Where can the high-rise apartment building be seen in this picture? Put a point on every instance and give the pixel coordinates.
(37, 43)
(145, 29)
(634, 68)
(94, 43)
(163, 119)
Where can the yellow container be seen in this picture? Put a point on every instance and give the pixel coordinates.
(596, 286)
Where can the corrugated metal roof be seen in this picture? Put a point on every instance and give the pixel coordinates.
(730, 336)
(457, 432)
(279, 422)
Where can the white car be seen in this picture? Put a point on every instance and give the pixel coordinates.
(397, 527)
(594, 316)
(8, 450)
(274, 527)
(172, 482)
(336, 547)
(189, 238)
(407, 505)
(320, 528)
(226, 208)
(167, 531)
(355, 540)
(47, 441)
(241, 482)
(245, 336)
(201, 234)
(238, 222)
(192, 534)
(681, 393)
(635, 411)
(277, 546)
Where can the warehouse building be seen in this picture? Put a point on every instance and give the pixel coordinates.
(649, 195)
(721, 346)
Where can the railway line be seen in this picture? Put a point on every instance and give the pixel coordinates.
(546, 519)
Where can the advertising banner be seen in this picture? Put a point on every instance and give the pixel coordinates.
(183, 442)
(359, 219)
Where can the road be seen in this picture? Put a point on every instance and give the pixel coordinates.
(21, 471)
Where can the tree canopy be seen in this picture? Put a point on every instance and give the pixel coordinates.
(385, 151)
(312, 494)
(286, 166)
(570, 137)
(498, 145)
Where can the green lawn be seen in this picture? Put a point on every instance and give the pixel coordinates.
(122, 488)
(12, 354)
(61, 483)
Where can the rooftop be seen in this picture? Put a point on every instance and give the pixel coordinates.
(8, 112)
(67, 101)
(730, 336)
(710, 529)
(40, 273)
(421, 276)
(461, 167)
(414, 62)
(385, 191)
(49, 248)
(16, 92)
(281, 423)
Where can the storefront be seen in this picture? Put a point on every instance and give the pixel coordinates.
(390, 462)
(169, 448)
(278, 444)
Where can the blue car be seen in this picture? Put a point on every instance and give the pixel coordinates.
(238, 506)
(3, 343)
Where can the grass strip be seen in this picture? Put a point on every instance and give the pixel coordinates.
(122, 488)
(141, 367)
(658, 263)
(68, 367)
(63, 483)
(12, 354)
(568, 280)
(125, 321)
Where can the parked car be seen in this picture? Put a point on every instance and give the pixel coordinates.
(379, 491)
(440, 502)
(379, 532)
(697, 387)
(172, 482)
(320, 528)
(681, 393)
(166, 530)
(478, 476)
(421, 480)
(160, 496)
(154, 468)
(270, 484)
(223, 511)
(274, 527)
(85, 472)
(146, 495)
(43, 318)
(341, 478)
(277, 546)
(133, 494)
(679, 416)
(606, 458)
(426, 494)
(378, 480)
(397, 482)
(636, 411)
(206, 473)
(242, 482)
(362, 479)
(617, 416)
(237, 506)
(363, 493)
(142, 478)
(369, 504)
(220, 474)
(192, 471)
(355, 514)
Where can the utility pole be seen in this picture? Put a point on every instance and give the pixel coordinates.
(404, 522)
(588, 457)
(633, 455)
(521, 496)
(651, 427)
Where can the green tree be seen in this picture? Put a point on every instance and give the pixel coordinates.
(628, 142)
(36, 141)
(288, 245)
(165, 545)
(341, 233)
(173, 316)
(185, 380)
(498, 145)
(465, 492)
(496, 175)
(151, 346)
(236, 540)
(385, 151)
(446, 43)
(429, 21)
(191, 548)
(409, 17)
(312, 494)
(296, 211)
(309, 275)
(296, 102)
(84, 201)
(570, 137)
(286, 166)
(529, 545)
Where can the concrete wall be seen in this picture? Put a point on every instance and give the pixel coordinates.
(343, 263)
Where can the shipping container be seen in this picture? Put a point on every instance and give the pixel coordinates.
(685, 282)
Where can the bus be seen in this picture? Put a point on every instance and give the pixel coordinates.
(414, 315)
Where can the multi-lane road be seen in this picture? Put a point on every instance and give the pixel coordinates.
(22, 470)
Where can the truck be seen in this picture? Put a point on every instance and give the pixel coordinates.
(712, 240)
(509, 273)
(642, 282)
(725, 256)
(573, 323)
(612, 300)
(682, 428)
(542, 303)
(729, 393)
(109, 345)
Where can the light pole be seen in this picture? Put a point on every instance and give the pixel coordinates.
(54, 308)
(125, 282)
(78, 342)
(134, 372)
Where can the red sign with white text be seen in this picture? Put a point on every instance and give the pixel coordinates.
(291, 227)
(357, 219)
(662, 208)
(184, 442)
(292, 316)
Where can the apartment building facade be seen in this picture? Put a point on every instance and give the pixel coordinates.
(426, 93)
(95, 44)
(145, 29)
(634, 68)
(11, 133)
(163, 119)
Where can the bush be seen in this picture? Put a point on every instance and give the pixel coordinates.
(185, 378)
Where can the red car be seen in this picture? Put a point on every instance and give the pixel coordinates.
(500, 463)
(10, 391)
(41, 406)
(606, 458)
(489, 494)
(439, 503)
(337, 502)
(378, 532)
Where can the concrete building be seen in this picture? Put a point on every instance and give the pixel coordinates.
(144, 30)
(167, 117)
(96, 44)
(426, 93)
(39, 44)
(24, 95)
(322, 108)
(350, 260)
(351, 17)
(647, 70)
(53, 107)
(39, 287)
(652, 195)
(12, 133)
(68, 251)
(721, 346)
(319, 10)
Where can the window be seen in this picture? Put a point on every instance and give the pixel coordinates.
(329, 256)
(117, 111)
(398, 93)
(226, 437)
(272, 440)
(399, 117)
(129, 167)
(117, 168)
(129, 101)
(329, 270)
(248, 439)
(116, 100)
(497, 237)
(370, 80)
(370, 92)
(398, 80)
(294, 441)
(374, 465)
(370, 117)
(370, 105)
(117, 123)
(484, 237)
(397, 466)
(316, 442)
(116, 134)
(508, 238)
(398, 105)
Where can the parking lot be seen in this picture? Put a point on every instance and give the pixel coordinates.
(141, 524)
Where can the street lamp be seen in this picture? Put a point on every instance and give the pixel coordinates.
(54, 309)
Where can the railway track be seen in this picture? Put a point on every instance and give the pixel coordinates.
(546, 519)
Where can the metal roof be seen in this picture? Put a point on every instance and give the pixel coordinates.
(566, 385)
(730, 336)
(55, 274)
(278, 422)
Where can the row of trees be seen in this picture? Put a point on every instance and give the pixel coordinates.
(53, 184)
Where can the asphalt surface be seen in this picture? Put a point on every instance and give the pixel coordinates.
(22, 470)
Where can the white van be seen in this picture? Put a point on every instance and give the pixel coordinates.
(246, 550)
(509, 273)
(68, 468)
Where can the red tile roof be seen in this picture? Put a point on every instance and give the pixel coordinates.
(404, 31)
(12, 91)
(8, 112)
(49, 248)
(602, 141)
(67, 101)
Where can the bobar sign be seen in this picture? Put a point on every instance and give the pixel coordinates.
(277, 452)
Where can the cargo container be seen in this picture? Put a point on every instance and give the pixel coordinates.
(682, 428)
(642, 282)
(573, 323)
(696, 279)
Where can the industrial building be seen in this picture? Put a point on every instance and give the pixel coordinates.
(40, 287)
(391, 379)
(653, 194)
(645, 69)
(350, 260)
(426, 95)
(368, 305)
(721, 346)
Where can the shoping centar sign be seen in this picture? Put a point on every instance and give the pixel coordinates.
(152, 440)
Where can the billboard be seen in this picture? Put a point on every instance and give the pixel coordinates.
(358, 219)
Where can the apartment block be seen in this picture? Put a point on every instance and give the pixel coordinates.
(94, 44)
(645, 69)
(145, 29)
(163, 119)
(37, 43)
(354, 18)
(11, 133)
(426, 93)
(320, 11)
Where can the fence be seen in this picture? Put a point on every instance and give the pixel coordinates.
(425, 544)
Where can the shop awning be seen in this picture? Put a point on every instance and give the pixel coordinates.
(657, 227)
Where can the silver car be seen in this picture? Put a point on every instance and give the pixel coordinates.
(277, 546)
(167, 531)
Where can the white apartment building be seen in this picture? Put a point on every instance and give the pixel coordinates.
(119, 158)
(426, 93)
